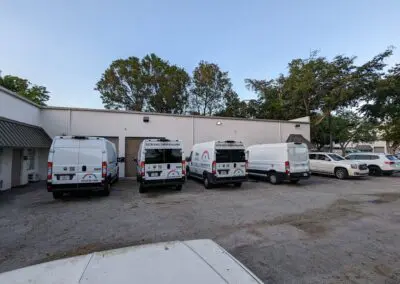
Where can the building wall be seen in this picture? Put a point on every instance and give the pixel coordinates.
(189, 129)
(5, 168)
(15, 108)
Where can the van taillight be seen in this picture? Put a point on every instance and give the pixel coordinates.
(287, 167)
(142, 164)
(183, 167)
(104, 169)
(49, 170)
(214, 167)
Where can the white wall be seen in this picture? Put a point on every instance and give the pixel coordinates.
(5, 168)
(189, 129)
(15, 108)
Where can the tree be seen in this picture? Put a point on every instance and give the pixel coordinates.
(35, 93)
(148, 84)
(123, 85)
(383, 107)
(349, 127)
(166, 85)
(271, 101)
(210, 87)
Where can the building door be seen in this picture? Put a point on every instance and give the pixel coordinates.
(131, 151)
(16, 167)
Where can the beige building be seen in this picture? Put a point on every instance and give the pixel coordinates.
(127, 129)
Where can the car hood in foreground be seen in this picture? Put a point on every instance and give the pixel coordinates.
(197, 261)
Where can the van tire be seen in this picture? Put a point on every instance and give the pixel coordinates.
(106, 189)
(187, 173)
(142, 189)
(207, 183)
(178, 187)
(341, 173)
(237, 184)
(57, 195)
(273, 178)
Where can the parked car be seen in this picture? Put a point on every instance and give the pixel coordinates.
(378, 163)
(160, 162)
(218, 162)
(279, 162)
(81, 163)
(178, 262)
(334, 164)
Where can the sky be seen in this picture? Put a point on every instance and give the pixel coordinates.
(66, 45)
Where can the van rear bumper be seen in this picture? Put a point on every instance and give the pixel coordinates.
(163, 182)
(296, 176)
(74, 187)
(221, 180)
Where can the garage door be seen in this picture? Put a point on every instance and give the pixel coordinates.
(114, 140)
(131, 150)
(379, 149)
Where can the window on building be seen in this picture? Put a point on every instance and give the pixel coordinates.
(31, 159)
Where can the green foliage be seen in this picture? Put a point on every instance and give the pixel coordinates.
(383, 107)
(35, 93)
(148, 84)
(211, 87)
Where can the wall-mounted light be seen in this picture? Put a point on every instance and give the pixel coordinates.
(146, 119)
(297, 126)
(219, 122)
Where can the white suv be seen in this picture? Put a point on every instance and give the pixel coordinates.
(334, 164)
(378, 163)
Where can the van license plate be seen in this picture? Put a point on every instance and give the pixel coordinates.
(154, 174)
(64, 177)
(224, 172)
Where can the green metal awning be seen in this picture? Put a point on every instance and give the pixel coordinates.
(20, 135)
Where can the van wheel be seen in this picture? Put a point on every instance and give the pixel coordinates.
(57, 195)
(187, 173)
(237, 184)
(341, 173)
(106, 189)
(273, 178)
(178, 187)
(142, 189)
(207, 183)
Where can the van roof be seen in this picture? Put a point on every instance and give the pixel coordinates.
(80, 137)
(276, 145)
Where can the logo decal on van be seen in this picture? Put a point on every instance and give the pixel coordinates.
(89, 178)
(205, 155)
(238, 172)
(173, 173)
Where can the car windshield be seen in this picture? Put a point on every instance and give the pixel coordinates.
(336, 157)
(159, 156)
(230, 156)
(392, 157)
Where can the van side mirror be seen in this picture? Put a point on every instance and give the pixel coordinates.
(135, 160)
(121, 159)
(187, 159)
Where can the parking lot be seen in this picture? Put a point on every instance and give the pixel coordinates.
(319, 230)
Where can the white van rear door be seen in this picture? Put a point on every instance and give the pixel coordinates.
(90, 159)
(65, 161)
(230, 162)
(163, 163)
(298, 158)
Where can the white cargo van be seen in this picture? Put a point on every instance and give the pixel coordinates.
(81, 163)
(279, 162)
(160, 162)
(218, 162)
